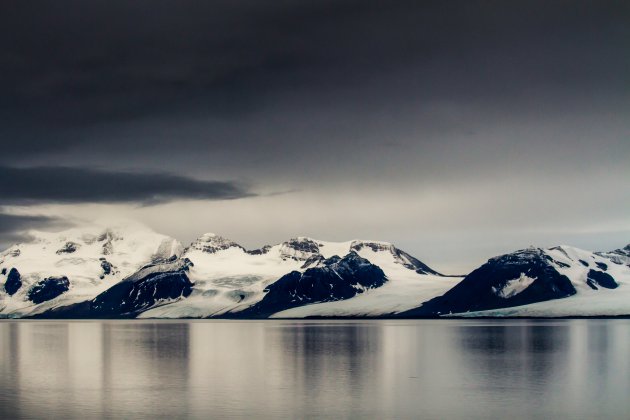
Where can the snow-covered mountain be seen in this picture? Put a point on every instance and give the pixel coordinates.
(130, 271)
(133, 272)
(536, 282)
(232, 281)
(57, 269)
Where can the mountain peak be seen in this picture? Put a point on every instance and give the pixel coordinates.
(300, 248)
(212, 243)
(358, 244)
(399, 256)
(208, 236)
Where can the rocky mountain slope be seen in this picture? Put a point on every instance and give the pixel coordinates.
(559, 281)
(129, 271)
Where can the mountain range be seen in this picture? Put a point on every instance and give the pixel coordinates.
(129, 271)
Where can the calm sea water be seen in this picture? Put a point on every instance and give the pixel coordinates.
(446, 369)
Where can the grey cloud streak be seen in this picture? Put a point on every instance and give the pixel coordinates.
(12, 226)
(78, 185)
(11, 222)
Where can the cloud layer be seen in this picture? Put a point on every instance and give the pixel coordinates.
(79, 185)
(389, 118)
(13, 226)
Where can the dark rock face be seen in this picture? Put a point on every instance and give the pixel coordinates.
(618, 256)
(601, 266)
(238, 295)
(4, 271)
(143, 289)
(303, 244)
(107, 267)
(13, 283)
(261, 251)
(140, 291)
(68, 248)
(48, 289)
(597, 278)
(500, 283)
(313, 261)
(334, 279)
(413, 263)
(299, 249)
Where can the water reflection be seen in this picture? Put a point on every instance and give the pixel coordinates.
(347, 355)
(144, 369)
(280, 369)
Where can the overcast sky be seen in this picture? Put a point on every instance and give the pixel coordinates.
(458, 130)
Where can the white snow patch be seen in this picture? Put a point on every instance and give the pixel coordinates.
(514, 287)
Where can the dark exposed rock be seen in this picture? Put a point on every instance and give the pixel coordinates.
(48, 289)
(146, 287)
(485, 288)
(302, 244)
(556, 262)
(334, 279)
(14, 281)
(299, 249)
(618, 256)
(584, 263)
(313, 261)
(596, 278)
(239, 295)
(4, 271)
(140, 291)
(107, 267)
(68, 248)
(601, 266)
(260, 251)
(211, 243)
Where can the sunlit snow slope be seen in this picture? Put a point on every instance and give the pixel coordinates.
(75, 265)
(228, 279)
(126, 271)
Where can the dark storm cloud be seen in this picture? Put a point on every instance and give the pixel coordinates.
(338, 99)
(69, 64)
(10, 223)
(13, 227)
(79, 185)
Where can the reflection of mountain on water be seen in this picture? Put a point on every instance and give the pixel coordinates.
(137, 359)
(349, 353)
(503, 358)
(332, 369)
